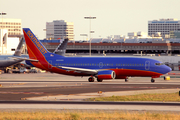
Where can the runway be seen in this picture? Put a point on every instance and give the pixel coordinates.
(69, 105)
(54, 91)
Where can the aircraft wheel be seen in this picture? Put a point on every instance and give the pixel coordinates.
(99, 80)
(152, 80)
(126, 80)
(91, 79)
(7, 70)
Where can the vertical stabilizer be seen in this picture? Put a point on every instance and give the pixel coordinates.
(35, 48)
(19, 48)
(61, 49)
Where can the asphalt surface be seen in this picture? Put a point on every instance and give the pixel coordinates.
(53, 91)
(92, 103)
(24, 92)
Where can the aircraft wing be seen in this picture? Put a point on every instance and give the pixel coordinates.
(23, 58)
(80, 70)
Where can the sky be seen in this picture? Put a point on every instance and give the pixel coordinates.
(113, 17)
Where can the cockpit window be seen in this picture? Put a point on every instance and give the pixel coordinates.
(158, 64)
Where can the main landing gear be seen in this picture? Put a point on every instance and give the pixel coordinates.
(99, 80)
(91, 79)
(152, 80)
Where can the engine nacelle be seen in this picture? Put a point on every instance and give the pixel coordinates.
(106, 74)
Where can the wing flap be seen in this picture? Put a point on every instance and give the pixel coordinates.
(81, 70)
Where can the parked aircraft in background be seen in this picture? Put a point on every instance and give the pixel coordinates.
(61, 49)
(8, 60)
(102, 68)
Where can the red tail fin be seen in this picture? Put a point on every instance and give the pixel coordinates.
(35, 49)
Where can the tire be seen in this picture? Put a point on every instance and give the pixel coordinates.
(152, 80)
(126, 80)
(99, 80)
(91, 79)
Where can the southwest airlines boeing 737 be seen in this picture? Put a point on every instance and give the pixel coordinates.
(102, 68)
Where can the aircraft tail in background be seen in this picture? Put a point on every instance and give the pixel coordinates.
(61, 49)
(19, 48)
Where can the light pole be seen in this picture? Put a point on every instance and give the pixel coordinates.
(2, 30)
(90, 33)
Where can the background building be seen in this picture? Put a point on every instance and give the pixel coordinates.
(59, 29)
(12, 25)
(164, 26)
(8, 45)
(175, 34)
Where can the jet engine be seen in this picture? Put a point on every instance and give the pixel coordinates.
(106, 74)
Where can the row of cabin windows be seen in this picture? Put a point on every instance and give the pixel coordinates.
(86, 64)
(98, 64)
(129, 64)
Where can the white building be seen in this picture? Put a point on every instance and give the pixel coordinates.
(8, 45)
(59, 29)
(164, 26)
(12, 25)
(132, 34)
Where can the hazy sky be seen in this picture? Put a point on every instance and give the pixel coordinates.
(114, 17)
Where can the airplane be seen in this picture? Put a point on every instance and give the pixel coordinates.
(9, 60)
(102, 68)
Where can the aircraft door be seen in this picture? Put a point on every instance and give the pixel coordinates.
(147, 65)
(100, 64)
(50, 64)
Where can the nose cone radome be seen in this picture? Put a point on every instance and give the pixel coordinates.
(167, 69)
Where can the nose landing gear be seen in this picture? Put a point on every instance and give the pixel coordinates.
(152, 80)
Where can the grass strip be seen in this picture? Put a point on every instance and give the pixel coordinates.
(98, 115)
(168, 97)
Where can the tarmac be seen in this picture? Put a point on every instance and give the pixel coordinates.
(37, 85)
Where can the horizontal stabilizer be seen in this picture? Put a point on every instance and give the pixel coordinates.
(21, 58)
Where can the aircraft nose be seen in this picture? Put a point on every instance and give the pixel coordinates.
(167, 69)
